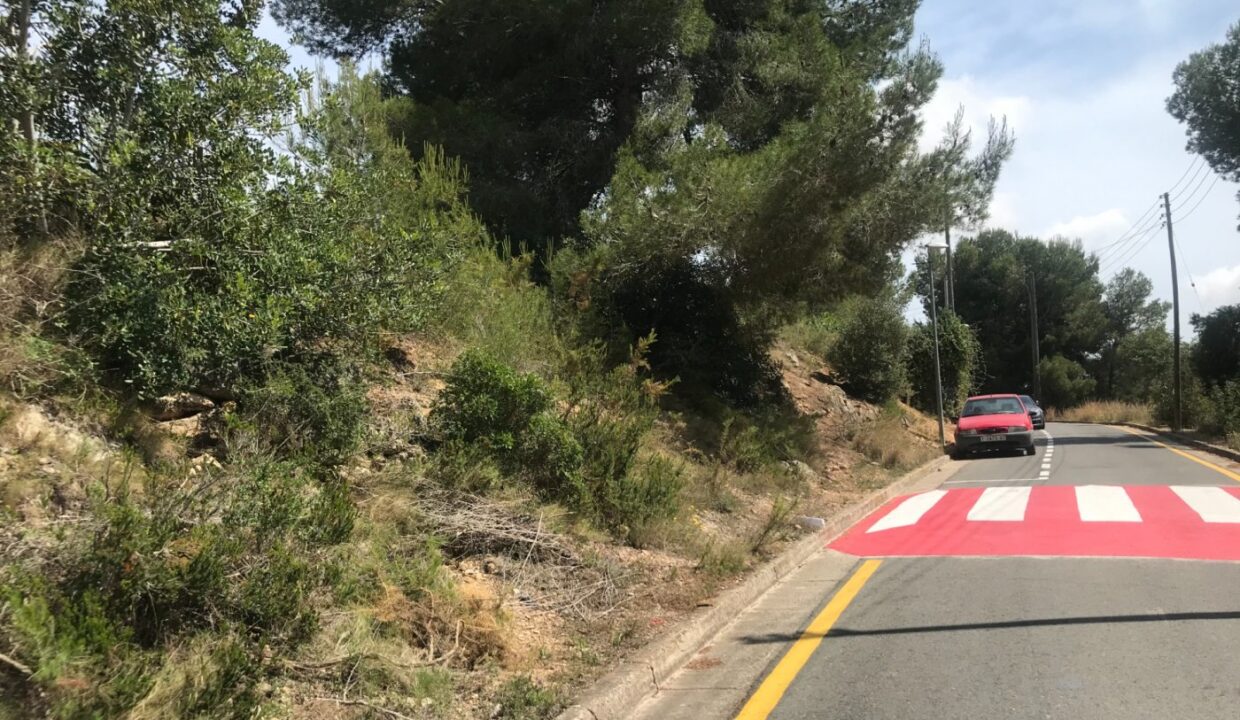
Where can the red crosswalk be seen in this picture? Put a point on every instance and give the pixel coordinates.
(1189, 522)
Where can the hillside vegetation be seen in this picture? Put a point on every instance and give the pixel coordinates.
(432, 393)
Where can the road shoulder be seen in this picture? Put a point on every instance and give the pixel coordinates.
(795, 585)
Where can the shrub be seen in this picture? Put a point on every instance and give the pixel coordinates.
(312, 409)
(815, 334)
(1196, 406)
(960, 359)
(486, 401)
(1108, 412)
(705, 345)
(505, 413)
(610, 413)
(871, 349)
(238, 556)
(1224, 420)
(1064, 383)
(521, 698)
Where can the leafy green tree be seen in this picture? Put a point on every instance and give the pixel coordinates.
(1207, 100)
(535, 97)
(1216, 356)
(871, 348)
(960, 360)
(1129, 310)
(1064, 382)
(992, 272)
(347, 237)
(539, 98)
(1142, 366)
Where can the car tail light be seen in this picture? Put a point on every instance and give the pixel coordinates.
(966, 432)
(1017, 428)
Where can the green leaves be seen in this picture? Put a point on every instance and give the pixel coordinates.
(1207, 100)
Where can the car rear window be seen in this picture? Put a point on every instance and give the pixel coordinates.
(993, 406)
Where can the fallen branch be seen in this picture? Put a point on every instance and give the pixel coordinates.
(363, 703)
(15, 665)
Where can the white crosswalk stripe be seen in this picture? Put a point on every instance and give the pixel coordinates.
(1105, 503)
(1213, 504)
(909, 512)
(1001, 504)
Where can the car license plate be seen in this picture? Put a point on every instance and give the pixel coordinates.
(994, 438)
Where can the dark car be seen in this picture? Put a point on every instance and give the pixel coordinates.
(1035, 413)
(993, 422)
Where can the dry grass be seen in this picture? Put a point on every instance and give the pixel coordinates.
(1109, 411)
(897, 439)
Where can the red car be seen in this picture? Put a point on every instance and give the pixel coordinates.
(993, 422)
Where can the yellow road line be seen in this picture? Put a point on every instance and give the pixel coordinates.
(1217, 468)
(767, 696)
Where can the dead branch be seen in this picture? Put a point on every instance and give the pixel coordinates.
(472, 525)
(362, 703)
(15, 665)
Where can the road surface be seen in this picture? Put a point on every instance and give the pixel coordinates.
(1097, 579)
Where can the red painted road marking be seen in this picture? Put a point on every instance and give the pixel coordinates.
(1057, 522)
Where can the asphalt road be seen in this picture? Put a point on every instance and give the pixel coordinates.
(1086, 454)
(1027, 637)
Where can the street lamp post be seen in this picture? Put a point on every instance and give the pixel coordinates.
(934, 324)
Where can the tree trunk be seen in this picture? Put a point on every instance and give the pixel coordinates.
(26, 117)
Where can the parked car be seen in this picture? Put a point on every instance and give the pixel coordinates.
(993, 422)
(1036, 415)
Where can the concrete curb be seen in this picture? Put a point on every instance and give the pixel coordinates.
(1186, 440)
(616, 693)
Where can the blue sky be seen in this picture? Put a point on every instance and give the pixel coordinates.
(1083, 84)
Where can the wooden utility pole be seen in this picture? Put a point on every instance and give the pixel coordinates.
(1177, 418)
(1033, 337)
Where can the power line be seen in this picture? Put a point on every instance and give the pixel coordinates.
(1124, 258)
(1192, 195)
(1202, 198)
(1102, 250)
(1194, 162)
(1201, 168)
(1188, 271)
(1124, 246)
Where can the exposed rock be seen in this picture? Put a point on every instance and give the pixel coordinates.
(186, 427)
(179, 405)
(812, 524)
(802, 471)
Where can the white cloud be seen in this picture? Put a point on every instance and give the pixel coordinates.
(979, 105)
(1220, 286)
(1095, 230)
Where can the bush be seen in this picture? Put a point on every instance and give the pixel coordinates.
(610, 413)
(1065, 383)
(815, 334)
(871, 349)
(705, 345)
(314, 410)
(1196, 407)
(237, 556)
(1224, 420)
(281, 290)
(488, 402)
(960, 359)
(587, 456)
(523, 699)
(506, 414)
(1112, 411)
